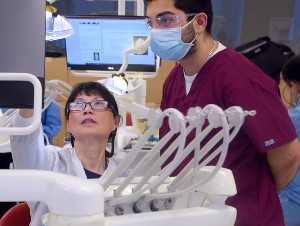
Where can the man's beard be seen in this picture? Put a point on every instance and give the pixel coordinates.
(189, 36)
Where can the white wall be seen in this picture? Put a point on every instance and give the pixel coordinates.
(257, 14)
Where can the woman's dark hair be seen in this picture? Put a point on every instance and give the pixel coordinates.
(94, 88)
(291, 69)
(194, 6)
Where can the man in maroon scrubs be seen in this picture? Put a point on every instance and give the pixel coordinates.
(265, 155)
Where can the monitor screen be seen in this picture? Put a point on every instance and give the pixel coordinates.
(98, 43)
(22, 49)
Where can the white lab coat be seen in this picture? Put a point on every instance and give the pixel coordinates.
(29, 152)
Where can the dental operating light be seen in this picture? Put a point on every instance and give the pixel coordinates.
(57, 27)
(117, 83)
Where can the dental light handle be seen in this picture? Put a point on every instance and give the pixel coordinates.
(37, 107)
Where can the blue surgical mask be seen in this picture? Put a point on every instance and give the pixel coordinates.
(167, 43)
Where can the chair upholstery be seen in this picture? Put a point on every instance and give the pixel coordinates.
(18, 215)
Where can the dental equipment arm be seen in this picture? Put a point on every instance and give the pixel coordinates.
(139, 49)
(117, 83)
(156, 190)
(58, 88)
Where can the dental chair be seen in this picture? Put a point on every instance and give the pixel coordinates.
(148, 194)
(194, 197)
(18, 215)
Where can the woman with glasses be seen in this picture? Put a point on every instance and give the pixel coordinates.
(265, 155)
(92, 119)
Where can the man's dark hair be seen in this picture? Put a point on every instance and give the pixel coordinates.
(194, 6)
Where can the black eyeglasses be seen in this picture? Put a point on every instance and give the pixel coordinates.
(95, 105)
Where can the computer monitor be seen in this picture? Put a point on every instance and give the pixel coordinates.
(98, 43)
(22, 49)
